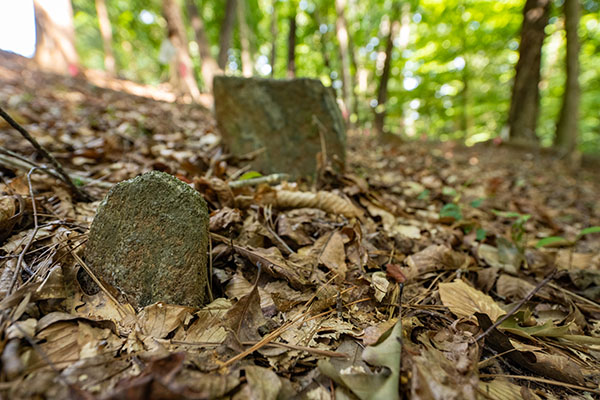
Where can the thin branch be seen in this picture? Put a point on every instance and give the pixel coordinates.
(274, 178)
(14, 160)
(31, 238)
(516, 307)
(79, 194)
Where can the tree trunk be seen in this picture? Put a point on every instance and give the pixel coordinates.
(182, 72)
(247, 66)
(55, 36)
(524, 107)
(342, 36)
(106, 33)
(291, 61)
(566, 130)
(273, 38)
(209, 65)
(382, 90)
(226, 34)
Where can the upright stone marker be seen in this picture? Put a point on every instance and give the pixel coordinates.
(292, 119)
(149, 240)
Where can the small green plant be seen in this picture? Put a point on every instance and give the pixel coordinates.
(561, 241)
(517, 229)
(250, 175)
(451, 210)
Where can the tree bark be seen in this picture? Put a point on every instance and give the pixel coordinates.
(247, 66)
(182, 71)
(55, 36)
(566, 130)
(342, 35)
(524, 107)
(209, 67)
(382, 90)
(106, 33)
(291, 61)
(226, 34)
(273, 38)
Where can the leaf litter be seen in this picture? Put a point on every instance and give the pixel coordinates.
(375, 284)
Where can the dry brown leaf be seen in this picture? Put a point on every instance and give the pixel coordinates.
(158, 320)
(224, 217)
(513, 288)
(502, 389)
(380, 283)
(208, 328)
(464, 301)
(434, 258)
(8, 210)
(334, 255)
(245, 317)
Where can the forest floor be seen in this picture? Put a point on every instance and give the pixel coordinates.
(444, 240)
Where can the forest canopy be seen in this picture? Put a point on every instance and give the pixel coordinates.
(452, 62)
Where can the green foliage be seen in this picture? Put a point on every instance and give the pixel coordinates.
(451, 210)
(249, 175)
(561, 241)
(517, 229)
(452, 63)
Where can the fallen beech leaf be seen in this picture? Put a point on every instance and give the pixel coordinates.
(334, 255)
(464, 301)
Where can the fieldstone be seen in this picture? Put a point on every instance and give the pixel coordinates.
(149, 240)
(285, 117)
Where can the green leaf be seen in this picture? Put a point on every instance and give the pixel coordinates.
(480, 234)
(448, 191)
(506, 214)
(424, 195)
(451, 210)
(477, 202)
(551, 240)
(587, 231)
(249, 175)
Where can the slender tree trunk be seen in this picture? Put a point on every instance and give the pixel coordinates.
(322, 44)
(182, 71)
(226, 34)
(382, 90)
(353, 76)
(524, 107)
(342, 35)
(566, 130)
(247, 67)
(291, 63)
(209, 67)
(106, 33)
(55, 36)
(273, 38)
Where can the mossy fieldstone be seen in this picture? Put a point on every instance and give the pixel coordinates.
(291, 119)
(149, 240)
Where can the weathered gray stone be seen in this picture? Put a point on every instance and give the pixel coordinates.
(149, 240)
(283, 116)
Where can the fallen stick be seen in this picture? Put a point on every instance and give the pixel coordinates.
(79, 194)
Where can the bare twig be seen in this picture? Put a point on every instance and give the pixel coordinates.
(31, 238)
(79, 194)
(14, 160)
(274, 178)
(516, 307)
(326, 353)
